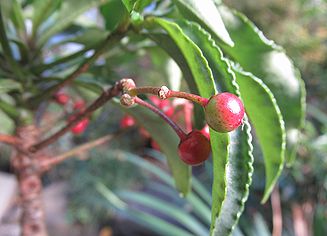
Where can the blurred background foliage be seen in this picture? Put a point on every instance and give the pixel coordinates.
(300, 27)
(111, 175)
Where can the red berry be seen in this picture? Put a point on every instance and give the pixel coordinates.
(205, 131)
(155, 145)
(80, 126)
(79, 105)
(195, 149)
(224, 112)
(127, 121)
(61, 98)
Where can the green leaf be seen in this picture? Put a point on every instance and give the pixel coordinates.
(114, 13)
(220, 151)
(42, 9)
(150, 221)
(267, 61)
(205, 13)
(157, 225)
(68, 12)
(197, 63)
(266, 118)
(129, 4)
(238, 173)
(90, 36)
(240, 165)
(135, 5)
(8, 85)
(190, 59)
(17, 16)
(7, 124)
(221, 69)
(166, 208)
(168, 141)
(166, 43)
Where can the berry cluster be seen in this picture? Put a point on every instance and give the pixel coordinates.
(224, 112)
(78, 106)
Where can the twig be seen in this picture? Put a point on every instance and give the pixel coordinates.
(48, 163)
(104, 97)
(277, 213)
(164, 93)
(8, 139)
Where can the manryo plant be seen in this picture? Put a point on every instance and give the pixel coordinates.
(236, 79)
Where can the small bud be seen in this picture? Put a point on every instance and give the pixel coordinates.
(163, 92)
(127, 84)
(127, 100)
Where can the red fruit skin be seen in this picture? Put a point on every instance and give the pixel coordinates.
(80, 127)
(127, 121)
(61, 98)
(206, 132)
(195, 149)
(79, 105)
(224, 112)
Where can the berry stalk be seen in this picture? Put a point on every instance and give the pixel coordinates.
(164, 93)
(181, 134)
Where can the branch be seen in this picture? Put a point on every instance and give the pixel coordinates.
(104, 97)
(49, 163)
(8, 139)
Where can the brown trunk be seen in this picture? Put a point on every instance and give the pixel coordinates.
(26, 166)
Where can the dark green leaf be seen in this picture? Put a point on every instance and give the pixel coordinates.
(168, 209)
(17, 16)
(150, 221)
(223, 165)
(135, 5)
(89, 37)
(220, 149)
(205, 13)
(267, 120)
(238, 174)
(114, 13)
(197, 63)
(42, 10)
(188, 56)
(166, 43)
(129, 4)
(225, 78)
(68, 13)
(267, 61)
(8, 85)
